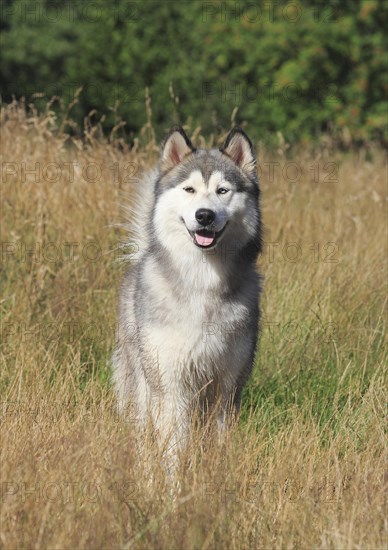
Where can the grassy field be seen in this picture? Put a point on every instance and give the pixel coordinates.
(304, 468)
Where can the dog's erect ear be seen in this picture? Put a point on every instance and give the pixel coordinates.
(175, 147)
(239, 148)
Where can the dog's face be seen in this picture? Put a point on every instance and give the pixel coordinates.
(206, 196)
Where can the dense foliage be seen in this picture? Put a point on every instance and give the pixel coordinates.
(289, 67)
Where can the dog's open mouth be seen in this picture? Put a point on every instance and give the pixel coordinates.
(205, 238)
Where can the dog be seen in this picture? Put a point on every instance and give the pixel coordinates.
(189, 303)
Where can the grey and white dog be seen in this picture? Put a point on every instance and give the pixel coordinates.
(189, 304)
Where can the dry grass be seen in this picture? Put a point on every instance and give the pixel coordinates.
(305, 466)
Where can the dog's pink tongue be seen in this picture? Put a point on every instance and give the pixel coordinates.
(202, 240)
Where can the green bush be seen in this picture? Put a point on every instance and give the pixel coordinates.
(288, 67)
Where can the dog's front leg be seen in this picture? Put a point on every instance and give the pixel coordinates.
(173, 425)
(228, 412)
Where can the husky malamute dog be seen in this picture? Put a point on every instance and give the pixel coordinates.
(189, 304)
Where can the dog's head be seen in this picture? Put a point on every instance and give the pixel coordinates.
(206, 196)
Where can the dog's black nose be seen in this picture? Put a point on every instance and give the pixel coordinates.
(204, 216)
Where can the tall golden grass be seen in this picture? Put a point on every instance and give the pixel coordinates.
(304, 467)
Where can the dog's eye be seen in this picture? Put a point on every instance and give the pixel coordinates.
(222, 191)
(189, 189)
